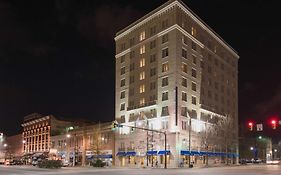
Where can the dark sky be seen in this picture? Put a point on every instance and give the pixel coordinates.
(57, 56)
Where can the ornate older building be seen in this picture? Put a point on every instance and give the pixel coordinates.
(37, 132)
(175, 74)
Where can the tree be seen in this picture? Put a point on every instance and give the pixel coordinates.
(97, 139)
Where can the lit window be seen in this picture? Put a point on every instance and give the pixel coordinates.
(142, 35)
(142, 88)
(142, 49)
(165, 53)
(142, 62)
(165, 96)
(142, 101)
(165, 67)
(184, 67)
(193, 31)
(142, 75)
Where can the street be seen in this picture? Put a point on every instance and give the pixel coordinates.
(249, 169)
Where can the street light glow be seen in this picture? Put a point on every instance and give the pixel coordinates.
(5, 145)
(251, 148)
(68, 135)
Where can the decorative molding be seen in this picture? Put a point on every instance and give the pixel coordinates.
(188, 12)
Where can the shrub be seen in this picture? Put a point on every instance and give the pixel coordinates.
(51, 164)
(99, 163)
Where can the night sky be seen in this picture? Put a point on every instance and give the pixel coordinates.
(57, 56)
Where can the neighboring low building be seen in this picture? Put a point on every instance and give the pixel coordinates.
(14, 148)
(82, 145)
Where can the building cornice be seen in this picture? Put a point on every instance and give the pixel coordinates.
(188, 12)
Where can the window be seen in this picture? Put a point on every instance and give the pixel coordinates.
(209, 69)
(164, 124)
(184, 39)
(132, 42)
(122, 83)
(165, 81)
(184, 53)
(122, 71)
(142, 75)
(132, 79)
(132, 66)
(193, 73)
(131, 91)
(193, 86)
(152, 58)
(132, 54)
(153, 44)
(165, 24)
(152, 30)
(164, 96)
(152, 97)
(165, 53)
(152, 85)
(142, 101)
(193, 100)
(184, 126)
(184, 82)
(184, 96)
(122, 95)
(184, 67)
(193, 31)
(152, 71)
(165, 111)
(165, 38)
(122, 107)
(142, 35)
(194, 59)
(122, 59)
(193, 46)
(123, 46)
(165, 67)
(184, 111)
(142, 88)
(142, 62)
(142, 49)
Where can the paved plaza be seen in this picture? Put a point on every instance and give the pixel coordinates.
(249, 169)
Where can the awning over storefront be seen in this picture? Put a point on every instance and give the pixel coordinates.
(204, 153)
(131, 153)
(103, 156)
(121, 153)
(168, 152)
(151, 153)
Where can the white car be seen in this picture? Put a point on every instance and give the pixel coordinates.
(273, 162)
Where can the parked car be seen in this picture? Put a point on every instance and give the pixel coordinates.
(65, 163)
(273, 162)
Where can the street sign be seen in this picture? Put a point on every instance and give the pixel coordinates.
(259, 127)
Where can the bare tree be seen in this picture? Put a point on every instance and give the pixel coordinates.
(97, 139)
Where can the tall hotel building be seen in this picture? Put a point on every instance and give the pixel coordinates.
(175, 74)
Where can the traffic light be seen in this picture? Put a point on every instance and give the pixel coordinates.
(250, 125)
(114, 125)
(273, 123)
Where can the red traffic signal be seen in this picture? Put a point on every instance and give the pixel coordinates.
(273, 123)
(250, 124)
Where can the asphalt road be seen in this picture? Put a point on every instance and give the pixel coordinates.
(239, 170)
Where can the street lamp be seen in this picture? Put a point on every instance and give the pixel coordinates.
(23, 141)
(68, 135)
(5, 145)
(260, 137)
(251, 148)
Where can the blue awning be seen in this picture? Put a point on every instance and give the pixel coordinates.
(183, 153)
(151, 153)
(121, 153)
(131, 153)
(163, 152)
(103, 156)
